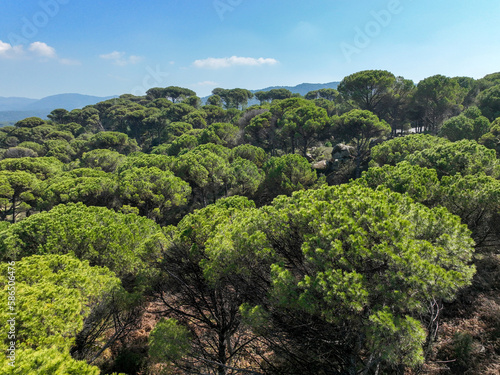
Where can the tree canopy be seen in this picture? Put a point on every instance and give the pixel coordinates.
(168, 233)
(51, 306)
(363, 265)
(126, 244)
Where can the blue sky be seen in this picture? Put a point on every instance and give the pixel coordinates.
(113, 47)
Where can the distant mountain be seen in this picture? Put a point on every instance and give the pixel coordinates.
(11, 117)
(301, 89)
(66, 101)
(15, 109)
(14, 104)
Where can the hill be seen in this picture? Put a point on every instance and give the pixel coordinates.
(14, 103)
(301, 89)
(13, 109)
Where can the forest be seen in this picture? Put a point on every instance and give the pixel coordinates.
(349, 231)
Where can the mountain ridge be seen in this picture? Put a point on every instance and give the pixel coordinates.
(302, 89)
(13, 109)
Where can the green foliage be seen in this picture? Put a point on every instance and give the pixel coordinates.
(37, 134)
(10, 141)
(206, 168)
(175, 130)
(209, 310)
(18, 193)
(153, 191)
(52, 303)
(43, 168)
(327, 278)
(442, 240)
(395, 339)
(54, 295)
(168, 341)
(223, 134)
(273, 94)
(328, 94)
(245, 177)
(462, 347)
(492, 138)
(178, 112)
(214, 100)
(58, 115)
(489, 102)
(364, 262)
(361, 127)
(465, 157)
(112, 141)
(195, 228)
(61, 149)
(421, 184)
(474, 198)
(435, 99)
(61, 135)
(38, 148)
(395, 107)
(91, 187)
(197, 119)
(304, 125)
(126, 244)
(46, 361)
(398, 149)
(329, 106)
(19, 152)
(252, 153)
(215, 113)
(233, 98)
(367, 89)
(260, 131)
(489, 80)
(469, 125)
(254, 316)
(181, 144)
(140, 160)
(88, 118)
(173, 93)
(287, 174)
(106, 160)
(30, 122)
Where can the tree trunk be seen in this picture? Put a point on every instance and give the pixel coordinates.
(222, 354)
(14, 209)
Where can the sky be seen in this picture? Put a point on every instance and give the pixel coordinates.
(112, 47)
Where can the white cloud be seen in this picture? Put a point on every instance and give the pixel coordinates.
(112, 56)
(8, 51)
(119, 58)
(42, 50)
(39, 50)
(226, 62)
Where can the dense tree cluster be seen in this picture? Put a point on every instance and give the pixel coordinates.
(236, 227)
